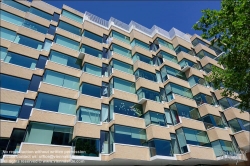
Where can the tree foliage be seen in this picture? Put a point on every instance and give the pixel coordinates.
(230, 28)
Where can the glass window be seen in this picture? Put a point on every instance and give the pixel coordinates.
(14, 83)
(52, 30)
(66, 42)
(185, 111)
(168, 117)
(119, 65)
(34, 26)
(125, 108)
(165, 44)
(129, 135)
(26, 109)
(193, 80)
(180, 48)
(60, 79)
(92, 69)
(105, 113)
(158, 75)
(3, 145)
(211, 121)
(3, 52)
(177, 89)
(40, 13)
(203, 53)
(239, 124)
(208, 68)
(174, 144)
(157, 60)
(154, 118)
(120, 36)
(139, 43)
(197, 41)
(122, 51)
(43, 133)
(90, 115)
(145, 74)
(34, 83)
(92, 36)
(105, 89)
(123, 85)
(20, 60)
(222, 148)
(86, 146)
(15, 141)
(29, 42)
(9, 111)
(173, 72)
(202, 98)
(41, 62)
(47, 45)
(69, 27)
(91, 51)
(55, 103)
(56, 17)
(168, 56)
(65, 59)
(72, 16)
(160, 147)
(7, 34)
(89, 89)
(143, 58)
(228, 102)
(148, 94)
(9, 17)
(184, 62)
(104, 142)
(16, 5)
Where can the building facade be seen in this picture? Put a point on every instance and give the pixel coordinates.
(77, 88)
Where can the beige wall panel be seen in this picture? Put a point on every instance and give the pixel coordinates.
(190, 123)
(182, 157)
(201, 89)
(142, 82)
(69, 21)
(179, 41)
(49, 36)
(63, 69)
(199, 152)
(52, 117)
(121, 58)
(31, 33)
(88, 101)
(9, 25)
(200, 47)
(5, 43)
(92, 60)
(123, 75)
(91, 79)
(68, 34)
(91, 43)
(13, 10)
(105, 79)
(38, 72)
(162, 37)
(72, 10)
(86, 130)
(170, 64)
(141, 51)
(105, 100)
(124, 152)
(94, 28)
(120, 43)
(205, 60)
(27, 51)
(64, 50)
(160, 132)
(44, 53)
(45, 7)
(197, 36)
(12, 97)
(177, 81)
(205, 109)
(232, 113)
(37, 19)
(163, 48)
(166, 105)
(144, 66)
(193, 71)
(219, 96)
(183, 55)
(150, 105)
(57, 90)
(21, 123)
(218, 133)
(124, 96)
(54, 23)
(243, 139)
(183, 100)
(6, 128)
(30, 94)
(15, 70)
(140, 36)
(129, 121)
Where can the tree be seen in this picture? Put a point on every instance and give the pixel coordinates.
(230, 28)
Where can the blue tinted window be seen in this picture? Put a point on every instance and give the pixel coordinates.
(143, 58)
(72, 16)
(11, 18)
(203, 98)
(165, 44)
(124, 85)
(65, 59)
(69, 27)
(7, 34)
(55, 103)
(87, 147)
(90, 115)
(92, 90)
(26, 109)
(91, 51)
(92, 69)
(168, 56)
(56, 17)
(41, 62)
(52, 30)
(35, 26)
(203, 53)
(139, 43)
(66, 42)
(145, 74)
(180, 48)
(196, 80)
(177, 89)
(9, 111)
(160, 147)
(34, 83)
(154, 118)
(121, 50)
(14, 83)
(185, 111)
(120, 36)
(92, 36)
(16, 5)
(29, 42)
(148, 94)
(122, 66)
(211, 121)
(47, 44)
(20, 60)
(173, 72)
(40, 13)
(3, 52)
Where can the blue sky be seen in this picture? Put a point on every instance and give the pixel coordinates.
(181, 14)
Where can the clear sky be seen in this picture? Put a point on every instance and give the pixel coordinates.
(181, 14)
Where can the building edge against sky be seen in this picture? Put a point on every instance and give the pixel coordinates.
(83, 89)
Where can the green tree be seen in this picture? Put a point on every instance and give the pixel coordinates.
(230, 28)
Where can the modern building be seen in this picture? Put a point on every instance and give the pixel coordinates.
(77, 88)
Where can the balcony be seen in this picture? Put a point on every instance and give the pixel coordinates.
(205, 109)
(190, 123)
(216, 133)
(232, 113)
(8, 126)
(243, 139)
(154, 131)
